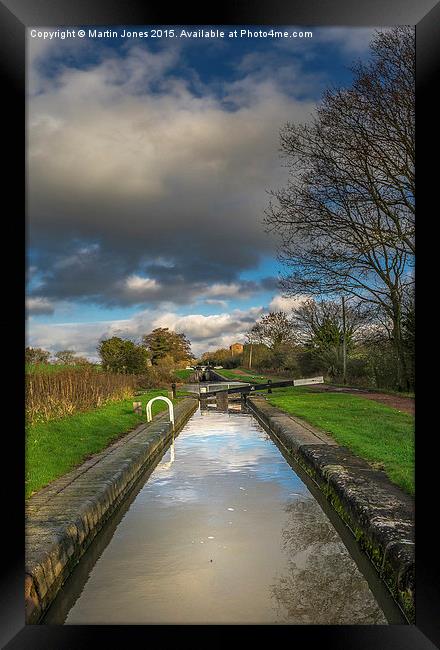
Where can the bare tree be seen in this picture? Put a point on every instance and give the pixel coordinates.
(310, 315)
(36, 355)
(67, 357)
(346, 216)
(273, 329)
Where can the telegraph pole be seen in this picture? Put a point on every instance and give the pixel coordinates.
(344, 344)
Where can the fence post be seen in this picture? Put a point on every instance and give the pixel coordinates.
(173, 389)
(137, 407)
(269, 389)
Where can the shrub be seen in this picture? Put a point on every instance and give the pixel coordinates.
(156, 377)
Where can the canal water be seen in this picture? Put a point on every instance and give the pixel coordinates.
(222, 531)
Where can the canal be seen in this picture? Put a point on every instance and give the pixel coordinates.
(222, 530)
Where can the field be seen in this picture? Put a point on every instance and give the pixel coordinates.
(57, 446)
(382, 435)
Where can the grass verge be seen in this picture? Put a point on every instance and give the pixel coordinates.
(381, 435)
(247, 375)
(55, 447)
(183, 375)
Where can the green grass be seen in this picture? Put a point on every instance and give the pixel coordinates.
(184, 374)
(380, 434)
(385, 391)
(249, 376)
(54, 448)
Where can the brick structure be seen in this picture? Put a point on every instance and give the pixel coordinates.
(236, 348)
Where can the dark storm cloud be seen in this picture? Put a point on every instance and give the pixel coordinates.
(110, 280)
(37, 306)
(120, 176)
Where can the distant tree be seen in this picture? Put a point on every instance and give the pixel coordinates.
(319, 326)
(256, 355)
(81, 361)
(221, 357)
(274, 330)
(36, 355)
(310, 316)
(67, 357)
(162, 342)
(122, 355)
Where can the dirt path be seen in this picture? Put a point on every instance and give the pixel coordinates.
(405, 404)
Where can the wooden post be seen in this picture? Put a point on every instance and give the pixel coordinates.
(137, 407)
(269, 389)
(173, 389)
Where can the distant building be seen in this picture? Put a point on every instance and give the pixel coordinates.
(236, 348)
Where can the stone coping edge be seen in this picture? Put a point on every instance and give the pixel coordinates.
(378, 513)
(61, 522)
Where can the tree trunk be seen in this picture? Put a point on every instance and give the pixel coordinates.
(402, 374)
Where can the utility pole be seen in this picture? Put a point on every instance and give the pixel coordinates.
(344, 344)
(250, 356)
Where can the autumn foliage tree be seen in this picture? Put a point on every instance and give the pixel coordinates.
(162, 343)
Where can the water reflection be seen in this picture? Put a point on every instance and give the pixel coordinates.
(321, 584)
(165, 465)
(223, 531)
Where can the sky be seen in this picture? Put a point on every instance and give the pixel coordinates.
(149, 167)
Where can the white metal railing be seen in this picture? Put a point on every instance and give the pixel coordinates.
(170, 408)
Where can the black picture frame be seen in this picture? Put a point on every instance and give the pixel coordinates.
(15, 17)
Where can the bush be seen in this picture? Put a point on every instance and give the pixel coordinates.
(232, 362)
(156, 377)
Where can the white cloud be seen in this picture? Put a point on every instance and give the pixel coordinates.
(281, 303)
(137, 284)
(205, 332)
(224, 290)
